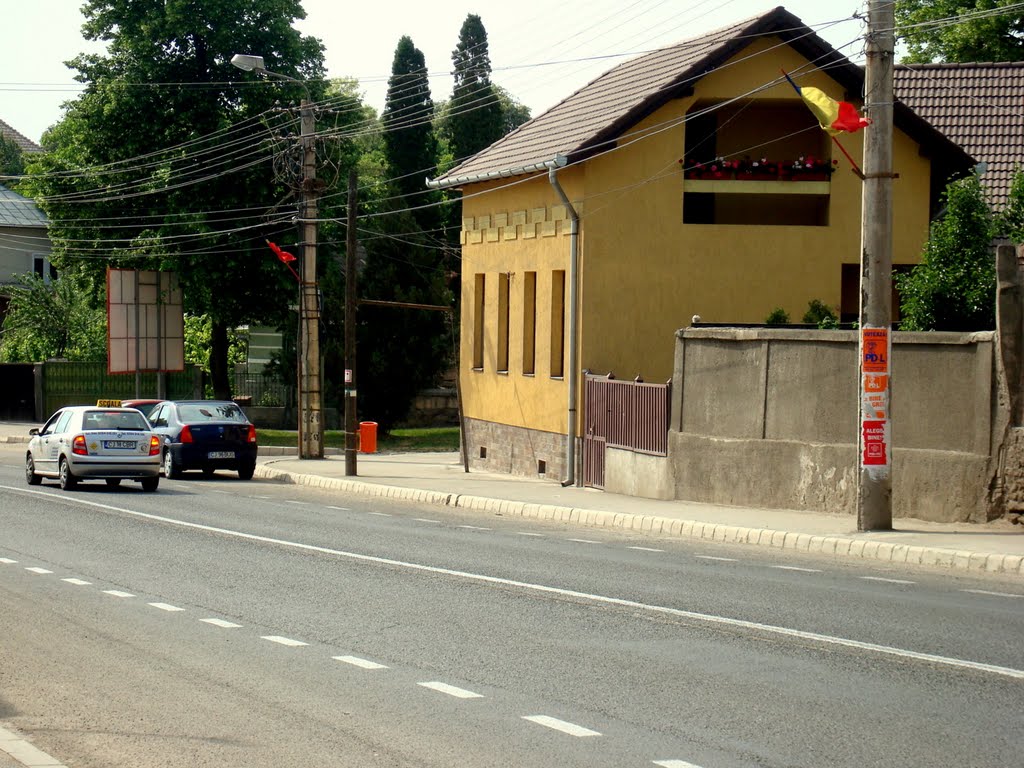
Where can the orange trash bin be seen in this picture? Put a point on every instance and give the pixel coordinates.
(368, 437)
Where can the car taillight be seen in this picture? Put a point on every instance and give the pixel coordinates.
(78, 446)
(154, 445)
(186, 435)
(252, 433)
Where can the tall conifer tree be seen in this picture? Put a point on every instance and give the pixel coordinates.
(475, 112)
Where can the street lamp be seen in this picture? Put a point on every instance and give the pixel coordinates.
(311, 439)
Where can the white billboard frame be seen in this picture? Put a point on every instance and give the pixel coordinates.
(145, 322)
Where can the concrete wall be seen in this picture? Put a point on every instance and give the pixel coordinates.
(769, 418)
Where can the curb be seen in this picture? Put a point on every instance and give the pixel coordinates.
(838, 546)
(24, 753)
(14, 438)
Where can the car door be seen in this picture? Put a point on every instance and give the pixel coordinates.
(158, 420)
(51, 437)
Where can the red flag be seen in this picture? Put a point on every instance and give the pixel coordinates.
(284, 256)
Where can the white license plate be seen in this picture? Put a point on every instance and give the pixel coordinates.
(122, 444)
(220, 455)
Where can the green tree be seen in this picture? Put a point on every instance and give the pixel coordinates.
(960, 30)
(820, 314)
(1010, 222)
(52, 319)
(953, 288)
(167, 160)
(12, 162)
(475, 119)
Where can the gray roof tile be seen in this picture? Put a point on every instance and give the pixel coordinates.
(18, 211)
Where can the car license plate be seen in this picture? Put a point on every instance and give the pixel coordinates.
(123, 444)
(220, 455)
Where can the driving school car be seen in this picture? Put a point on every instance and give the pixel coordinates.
(92, 443)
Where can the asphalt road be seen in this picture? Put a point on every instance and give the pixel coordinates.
(223, 623)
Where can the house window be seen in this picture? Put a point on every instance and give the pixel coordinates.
(502, 363)
(41, 266)
(478, 322)
(557, 323)
(529, 322)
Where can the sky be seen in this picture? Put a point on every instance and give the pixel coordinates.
(540, 51)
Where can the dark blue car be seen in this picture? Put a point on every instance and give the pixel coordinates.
(205, 434)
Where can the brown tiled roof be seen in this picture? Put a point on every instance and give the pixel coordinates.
(979, 106)
(585, 122)
(26, 144)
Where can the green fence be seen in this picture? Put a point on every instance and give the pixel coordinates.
(85, 383)
(260, 388)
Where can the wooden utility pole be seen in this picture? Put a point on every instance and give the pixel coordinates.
(351, 243)
(874, 454)
(311, 436)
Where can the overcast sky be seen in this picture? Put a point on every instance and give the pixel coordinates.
(527, 40)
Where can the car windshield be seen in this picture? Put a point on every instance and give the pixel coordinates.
(145, 408)
(122, 420)
(191, 413)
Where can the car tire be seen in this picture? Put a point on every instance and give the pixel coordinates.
(68, 481)
(246, 470)
(171, 469)
(30, 471)
(150, 484)
(113, 482)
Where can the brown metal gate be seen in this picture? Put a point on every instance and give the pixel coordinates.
(624, 414)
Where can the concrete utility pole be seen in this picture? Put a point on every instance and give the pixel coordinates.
(351, 243)
(311, 436)
(874, 454)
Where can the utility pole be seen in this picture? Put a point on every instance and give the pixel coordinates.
(874, 454)
(311, 436)
(351, 243)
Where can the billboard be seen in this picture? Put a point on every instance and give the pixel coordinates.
(145, 321)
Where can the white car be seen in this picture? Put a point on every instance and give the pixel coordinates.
(85, 442)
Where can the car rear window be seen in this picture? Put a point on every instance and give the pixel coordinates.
(192, 413)
(114, 420)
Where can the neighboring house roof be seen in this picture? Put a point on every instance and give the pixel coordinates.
(582, 124)
(18, 211)
(977, 105)
(26, 144)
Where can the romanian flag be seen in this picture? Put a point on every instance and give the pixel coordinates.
(833, 116)
(283, 255)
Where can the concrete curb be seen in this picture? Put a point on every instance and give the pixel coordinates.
(837, 546)
(14, 438)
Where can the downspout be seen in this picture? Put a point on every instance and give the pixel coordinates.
(574, 239)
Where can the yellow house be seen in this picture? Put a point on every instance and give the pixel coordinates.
(589, 234)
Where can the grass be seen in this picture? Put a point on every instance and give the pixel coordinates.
(400, 440)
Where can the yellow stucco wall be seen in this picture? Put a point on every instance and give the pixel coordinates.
(644, 273)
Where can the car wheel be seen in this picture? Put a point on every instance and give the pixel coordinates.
(113, 482)
(149, 484)
(171, 469)
(246, 470)
(30, 471)
(67, 480)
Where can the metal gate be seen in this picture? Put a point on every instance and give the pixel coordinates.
(625, 414)
(17, 392)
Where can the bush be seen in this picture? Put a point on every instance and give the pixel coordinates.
(820, 314)
(777, 316)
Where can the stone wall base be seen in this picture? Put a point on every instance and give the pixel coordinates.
(513, 450)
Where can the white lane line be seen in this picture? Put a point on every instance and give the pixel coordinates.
(38, 570)
(480, 578)
(284, 641)
(794, 568)
(166, 607)
(355, 661)
(425, 520)
(674, 764)
(719, 559)
(380, 514)
(117, 593)
(259, 497)
(584, 541)
(221, 623)
(293, 501)
(340, 509)
(473, 527)
(451, 690)
(560, 725)
(7, 561)
(222, 493)
(887, 581)
(993, 594)
(647, 549)
(77, 582)
(24, 752)
(524, 533)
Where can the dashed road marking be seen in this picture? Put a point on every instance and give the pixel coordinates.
(719, 559)
(560, 725)
(675, 764)
(77, 582)
(525, 533)
(166, 607)
(993, 594)
(117, 593)
(647, 549)
(7, 561)
(24, 752)
(355, 661)
(451, 690)
(36, 569)
(380, 514)
(221, 623)
(426, 520)
(340, 509)
(294, 501)
(795, 568)
(887, 581)
(474, 527)
(284, 641)
(584, 541)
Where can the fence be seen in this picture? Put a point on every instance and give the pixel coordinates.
(66, 383)
(262, 389)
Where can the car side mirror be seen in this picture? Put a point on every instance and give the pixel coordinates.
(33, 432)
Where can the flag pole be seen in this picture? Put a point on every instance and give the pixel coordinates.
(856, 169)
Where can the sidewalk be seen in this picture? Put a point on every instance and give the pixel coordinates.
(439, 478)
